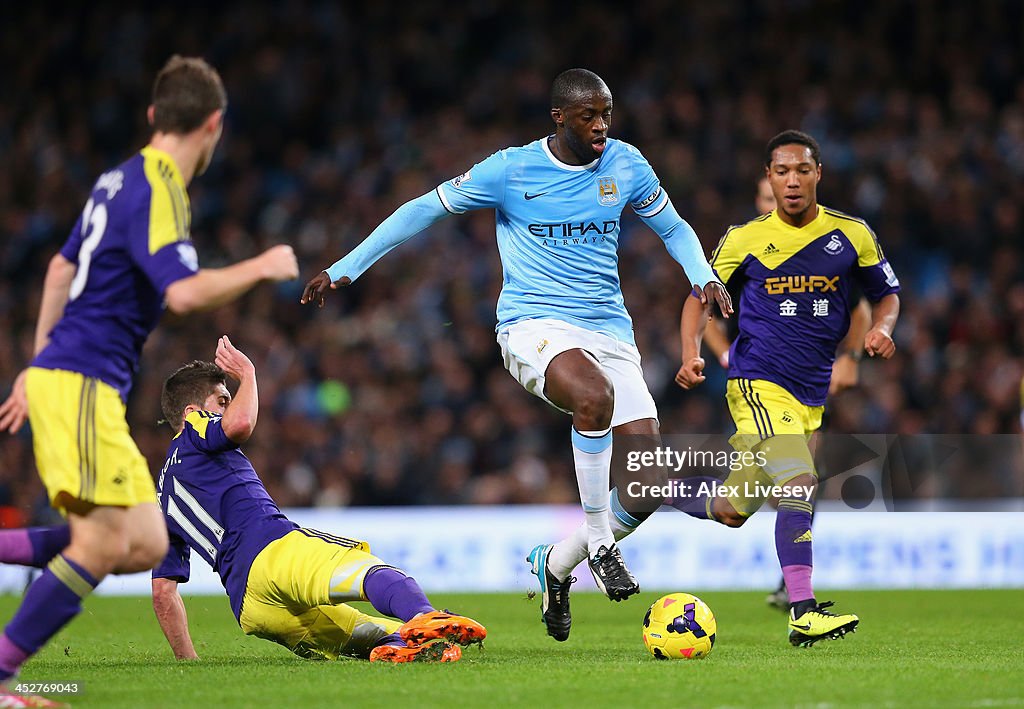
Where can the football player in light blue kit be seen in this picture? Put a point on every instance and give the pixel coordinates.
(563, 329)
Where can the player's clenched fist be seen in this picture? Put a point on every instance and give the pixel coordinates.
(691, 373)
(280, 264)
(878, 342)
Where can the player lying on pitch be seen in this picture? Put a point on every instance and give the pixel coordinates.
(286, 583)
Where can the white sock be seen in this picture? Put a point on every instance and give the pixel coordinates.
(592, 451)
(567, 554)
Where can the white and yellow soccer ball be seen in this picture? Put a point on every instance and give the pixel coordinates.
(679, 626)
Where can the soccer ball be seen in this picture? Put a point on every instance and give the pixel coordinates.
(679, 625)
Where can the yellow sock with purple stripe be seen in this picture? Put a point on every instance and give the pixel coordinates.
(50, 602)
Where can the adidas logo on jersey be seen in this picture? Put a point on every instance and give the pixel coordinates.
(769, 249)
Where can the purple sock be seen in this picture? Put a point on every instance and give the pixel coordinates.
(33, 546)
(16, 547)
(694, 495)
(48, 542)
(393, 639)
(12, 657)
(793, 544)
(393, 593)
(50, 602)
(798, 583)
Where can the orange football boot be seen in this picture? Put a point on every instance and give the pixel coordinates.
(435, 652)
(442, 625)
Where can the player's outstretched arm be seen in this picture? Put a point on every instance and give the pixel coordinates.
(239, 418)
(404, 223)
(692, 322)
(878, 341)
(170, 613)
(684, 246)
(213, 287)
(56, 287)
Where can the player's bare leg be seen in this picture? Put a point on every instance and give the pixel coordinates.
(147, 538)
(576, 382)
(637, 436)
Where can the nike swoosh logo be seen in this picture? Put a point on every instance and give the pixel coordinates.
(527, 196)
(803, 627)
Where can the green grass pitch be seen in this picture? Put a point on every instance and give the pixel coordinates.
(913, 649)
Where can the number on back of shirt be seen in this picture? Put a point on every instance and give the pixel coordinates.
(94, 223)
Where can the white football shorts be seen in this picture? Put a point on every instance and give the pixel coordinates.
(528, 347)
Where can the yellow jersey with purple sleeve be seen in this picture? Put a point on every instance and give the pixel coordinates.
(216, 505)
(794, 286)
(130, 243)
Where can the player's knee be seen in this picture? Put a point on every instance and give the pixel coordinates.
(732, 520)
(654, 475)
(145, 551)
(726, 514)
(802, 486)
(151, 554)
(98, 557)
(151, 551)
(593, 406)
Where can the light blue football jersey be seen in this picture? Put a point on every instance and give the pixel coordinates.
(558, 229)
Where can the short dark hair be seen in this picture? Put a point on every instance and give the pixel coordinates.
(792, 137)
(186, 91)
(573, 85)
(190, 384)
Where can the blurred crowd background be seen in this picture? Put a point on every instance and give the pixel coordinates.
(394, 393)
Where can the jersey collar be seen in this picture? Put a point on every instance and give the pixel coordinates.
(156, 154)
(817, 218)
(558, 163)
